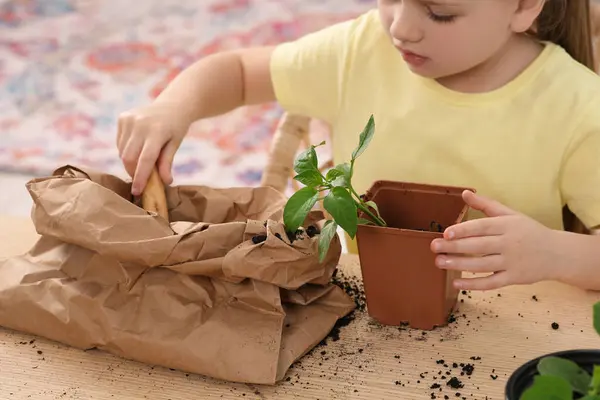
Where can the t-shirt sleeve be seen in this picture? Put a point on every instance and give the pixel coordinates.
(580, 180)
(308, 74)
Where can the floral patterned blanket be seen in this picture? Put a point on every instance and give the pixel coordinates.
(69, 67)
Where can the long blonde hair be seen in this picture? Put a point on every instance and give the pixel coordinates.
(568, 24)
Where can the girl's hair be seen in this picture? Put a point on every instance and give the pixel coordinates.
(567, 23)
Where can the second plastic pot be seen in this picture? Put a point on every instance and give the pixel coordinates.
(401, 281)
(522, 378)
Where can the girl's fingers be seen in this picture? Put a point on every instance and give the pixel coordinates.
(490, 226)
(145, 164)
(131, 153)
(491, 282)
(489, 263)
(165, 161)
(484, 245)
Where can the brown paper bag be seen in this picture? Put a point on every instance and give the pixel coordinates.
(203, 293)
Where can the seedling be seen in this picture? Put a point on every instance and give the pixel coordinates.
(340, 199)
(562, 379)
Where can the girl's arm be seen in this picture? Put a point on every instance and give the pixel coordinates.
(580, 263)
(222, 82)
(214, 85)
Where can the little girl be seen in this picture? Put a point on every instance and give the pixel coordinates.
(498, 95)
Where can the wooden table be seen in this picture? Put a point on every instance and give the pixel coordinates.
(505, 328)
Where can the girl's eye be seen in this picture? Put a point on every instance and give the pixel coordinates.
(441, 18)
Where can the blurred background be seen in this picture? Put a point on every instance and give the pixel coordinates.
(69, 67)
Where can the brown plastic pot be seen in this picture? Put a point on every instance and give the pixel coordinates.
(402, 283)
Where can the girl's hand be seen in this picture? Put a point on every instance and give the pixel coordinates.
(514, 248)
(149, 136)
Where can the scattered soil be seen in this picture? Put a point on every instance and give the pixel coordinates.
(467, 369)
(259, 239)
(434, 226)
(312, 231)
(298, 235)
(455, 383)
(449, 381)
(334, 334)
(354, 288)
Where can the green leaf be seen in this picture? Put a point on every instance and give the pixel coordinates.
(594, 388)
(298, 206)
(307, 160)
(363, 221)
(341, 206)
(373, 206)
(333, 173)
(591, 397)
(548, 388)
(327, 233)
(597, 317)
(365, 138)
(340, 181)
(340, 175)
(577, 377)
(310, 178)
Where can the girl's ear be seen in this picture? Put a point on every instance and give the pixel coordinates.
(526, 15)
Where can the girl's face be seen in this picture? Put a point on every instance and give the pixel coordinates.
(441, 38)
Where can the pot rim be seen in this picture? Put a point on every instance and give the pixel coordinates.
(408, 186)
(388, 230)
(450, 190)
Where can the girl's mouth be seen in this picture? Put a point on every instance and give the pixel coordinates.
(413, 58)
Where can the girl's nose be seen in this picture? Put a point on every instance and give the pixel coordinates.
(406, 25)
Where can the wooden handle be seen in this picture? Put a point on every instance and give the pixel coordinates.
(154, 198)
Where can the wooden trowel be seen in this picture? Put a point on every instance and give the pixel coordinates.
(154, 198)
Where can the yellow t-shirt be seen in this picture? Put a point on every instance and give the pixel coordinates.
(533, 145)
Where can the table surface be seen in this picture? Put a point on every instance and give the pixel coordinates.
(504, 328)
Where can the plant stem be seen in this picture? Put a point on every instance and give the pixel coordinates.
(355, 194)
(322, 176)
(377, 220)
(360, 203)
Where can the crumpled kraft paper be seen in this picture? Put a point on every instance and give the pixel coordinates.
(202, 293)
